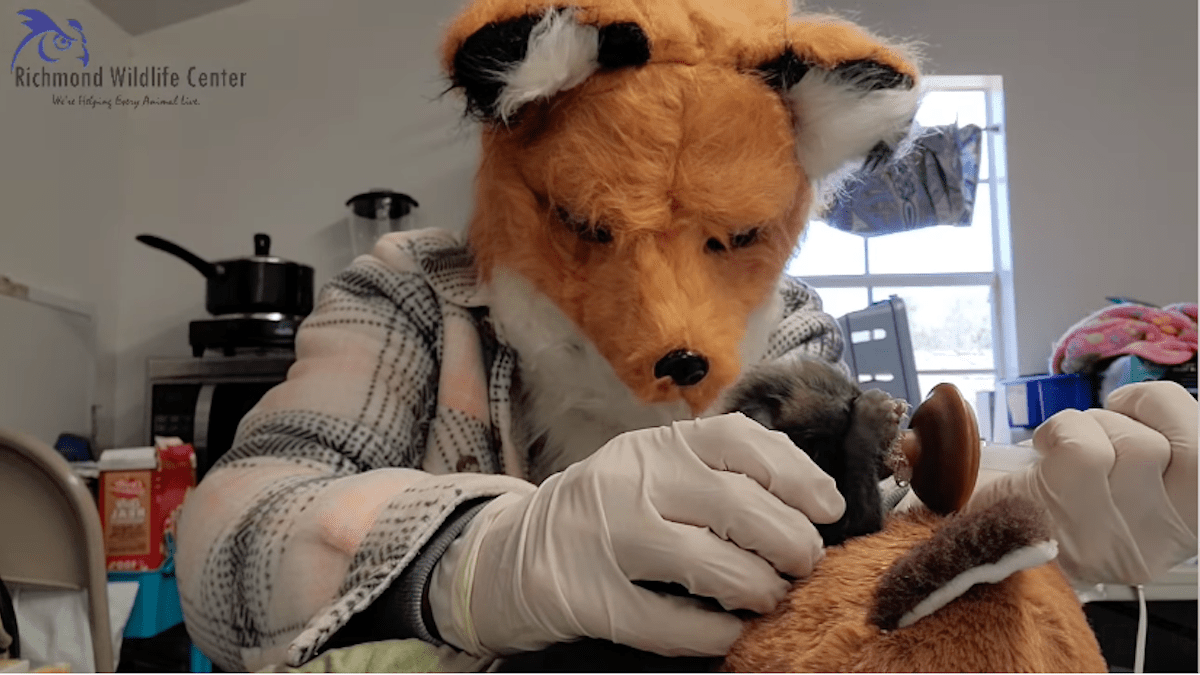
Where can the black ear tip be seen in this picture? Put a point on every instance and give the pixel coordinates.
(783, 72)
(787, 69)
(623, 44)
(868, 75)
(481, 94)
(485, 56)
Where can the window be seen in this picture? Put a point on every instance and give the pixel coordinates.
(955, 281)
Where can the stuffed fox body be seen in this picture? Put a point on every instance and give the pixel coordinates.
(647, 169)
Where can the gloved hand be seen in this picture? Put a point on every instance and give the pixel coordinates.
(720, 505)
(1119, 484)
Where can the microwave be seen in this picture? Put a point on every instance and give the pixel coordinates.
(202, 400)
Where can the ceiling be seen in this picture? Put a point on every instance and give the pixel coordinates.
(142, 16)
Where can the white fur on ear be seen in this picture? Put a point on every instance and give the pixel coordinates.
(837, 121)
(561, 54)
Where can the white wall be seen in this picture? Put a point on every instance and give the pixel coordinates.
(60, 208)
(1101, 108)
(337, 101)
(46, 374)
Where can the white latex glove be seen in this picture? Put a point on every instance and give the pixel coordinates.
(1119, 484)
(720, 505)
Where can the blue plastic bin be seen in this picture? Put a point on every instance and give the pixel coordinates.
(200, 663)
(1033, 400)
(157, 605)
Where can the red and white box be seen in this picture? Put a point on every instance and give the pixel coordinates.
(141, 489)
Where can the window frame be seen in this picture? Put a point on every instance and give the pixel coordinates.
(1000, 279)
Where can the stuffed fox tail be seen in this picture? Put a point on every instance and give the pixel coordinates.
(979, 592)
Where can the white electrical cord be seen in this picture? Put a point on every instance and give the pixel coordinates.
(1139, 655)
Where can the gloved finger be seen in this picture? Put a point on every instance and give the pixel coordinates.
(703, 563)
(1072, 480)
(1136, 485)
(1071, 442)
(1133, 442)
(734, 442)
(736, 508)
(1163, 406)
(675, 626)
(1170, 410)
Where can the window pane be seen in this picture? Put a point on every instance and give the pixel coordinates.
(969, 385)
(938, 249)
(982, 217)
(827, 250)
(951, 326)
(950, 107)
(840, 301)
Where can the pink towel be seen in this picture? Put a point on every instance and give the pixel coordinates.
(1166, 336)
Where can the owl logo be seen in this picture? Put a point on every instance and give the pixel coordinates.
(42, 27)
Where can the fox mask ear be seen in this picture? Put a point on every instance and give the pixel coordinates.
(507, 64)
(850, 94)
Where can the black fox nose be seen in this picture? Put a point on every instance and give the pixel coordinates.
(683, 367)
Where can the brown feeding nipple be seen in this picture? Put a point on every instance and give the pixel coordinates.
(941, 447)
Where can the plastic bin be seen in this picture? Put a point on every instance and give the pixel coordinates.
(200, 663)
(157, 605)
(879, 349)
(1032, 400)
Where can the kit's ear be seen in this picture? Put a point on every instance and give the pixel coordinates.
(851, 94)
(506, 64)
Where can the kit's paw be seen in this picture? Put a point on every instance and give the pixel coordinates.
(876, 420)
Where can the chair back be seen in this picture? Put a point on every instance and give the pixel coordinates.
(51, 535)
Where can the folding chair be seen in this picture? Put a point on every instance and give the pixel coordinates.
(51, 535)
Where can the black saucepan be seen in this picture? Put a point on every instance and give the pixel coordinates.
(256, 284)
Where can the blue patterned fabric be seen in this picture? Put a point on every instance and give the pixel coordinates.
(931, 184)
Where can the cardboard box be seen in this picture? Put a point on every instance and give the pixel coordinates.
(141, 489)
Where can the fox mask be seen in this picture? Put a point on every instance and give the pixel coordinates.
(649, 165)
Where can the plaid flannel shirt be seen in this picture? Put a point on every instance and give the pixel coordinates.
(394, 421)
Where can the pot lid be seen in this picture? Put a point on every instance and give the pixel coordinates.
(262, 254)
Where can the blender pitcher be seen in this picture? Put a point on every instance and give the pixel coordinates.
(374, 214)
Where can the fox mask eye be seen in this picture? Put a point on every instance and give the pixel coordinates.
(737, 241)
(593, 234)
(744, 239)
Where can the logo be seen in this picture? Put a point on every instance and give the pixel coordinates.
(128, 487)
(43, 27)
